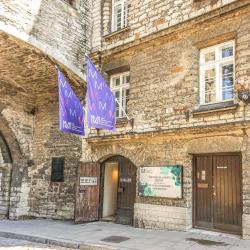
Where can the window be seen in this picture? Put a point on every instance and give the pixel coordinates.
(217, 73)
(57, 170)
(119, 14)
(119, 85)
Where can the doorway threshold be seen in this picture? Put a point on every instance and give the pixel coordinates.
(109, 219)
(214, 233)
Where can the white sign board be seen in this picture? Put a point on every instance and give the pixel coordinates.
(164, 181)
(88, 181)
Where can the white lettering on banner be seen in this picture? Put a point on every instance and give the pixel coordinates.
(92, 74)
(66, 124)
(98, 86)
(100, 121)
(63, 83)
(88, 181)
(103, 106)
(95, 120)
(72, 112)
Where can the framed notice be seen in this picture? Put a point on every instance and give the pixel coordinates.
(163, 181)
(88, 181)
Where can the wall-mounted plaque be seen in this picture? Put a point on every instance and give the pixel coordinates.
(88, 181)
(163, 181)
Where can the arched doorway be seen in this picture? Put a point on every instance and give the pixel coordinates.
(106, 191)
(117, 190)
(5, 177)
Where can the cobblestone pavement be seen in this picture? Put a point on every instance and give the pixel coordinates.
(14, 244)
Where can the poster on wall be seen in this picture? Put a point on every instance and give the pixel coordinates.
(163, 181)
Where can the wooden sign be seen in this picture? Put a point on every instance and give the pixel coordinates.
(202, 185)
(88, 181)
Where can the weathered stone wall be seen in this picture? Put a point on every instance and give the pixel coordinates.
(172, 148)
(56, 28)
(164, 91)
(164, 88)
(48, 199)
(36, 35)
(148, 17)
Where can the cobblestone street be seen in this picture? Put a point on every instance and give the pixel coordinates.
(14, 244)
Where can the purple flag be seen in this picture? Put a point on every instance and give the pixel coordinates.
(70, 108)
(100, 100)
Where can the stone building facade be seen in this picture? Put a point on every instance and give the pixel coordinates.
(34, 37)
(161, 46)
(157, 51)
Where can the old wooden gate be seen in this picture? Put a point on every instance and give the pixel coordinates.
(87, 192)
(126, 191)
(217, 192)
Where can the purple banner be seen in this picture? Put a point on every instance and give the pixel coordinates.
(100, 100)
(70, 108)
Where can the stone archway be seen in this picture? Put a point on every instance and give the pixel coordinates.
(5, 177)
(12, 168)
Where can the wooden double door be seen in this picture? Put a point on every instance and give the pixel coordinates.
(90, 191)
(217, 192)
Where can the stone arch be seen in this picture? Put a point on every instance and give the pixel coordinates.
(113, 156)
(11, 144)
(5, 155)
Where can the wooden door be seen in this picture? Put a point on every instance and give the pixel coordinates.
(217, 192)
(126, 191)
(87, 192)
(227, 193)
(203, 192)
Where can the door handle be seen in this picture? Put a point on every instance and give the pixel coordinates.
(214, 193)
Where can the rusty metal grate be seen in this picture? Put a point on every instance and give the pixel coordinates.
(115, 239)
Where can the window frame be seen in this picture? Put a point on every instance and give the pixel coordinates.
(54, 176)
(121, 87)
(124, 14)
(216, 64)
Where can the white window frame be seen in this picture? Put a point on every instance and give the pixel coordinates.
(217, 65)
(124, 14)
(122, 107)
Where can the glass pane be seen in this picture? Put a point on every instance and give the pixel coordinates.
(210, 93)
(118, 17)
(227, 52)
(116, 81)
(128, 79)
(227, 81)
(117, 95)
(209, 57)
(117, 110)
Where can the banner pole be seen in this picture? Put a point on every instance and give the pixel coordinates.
(122, 109)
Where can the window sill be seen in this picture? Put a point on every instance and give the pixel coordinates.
(121, 122)
(113, 34)
(215, 107)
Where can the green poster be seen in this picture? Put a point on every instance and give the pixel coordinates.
(164, 181)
